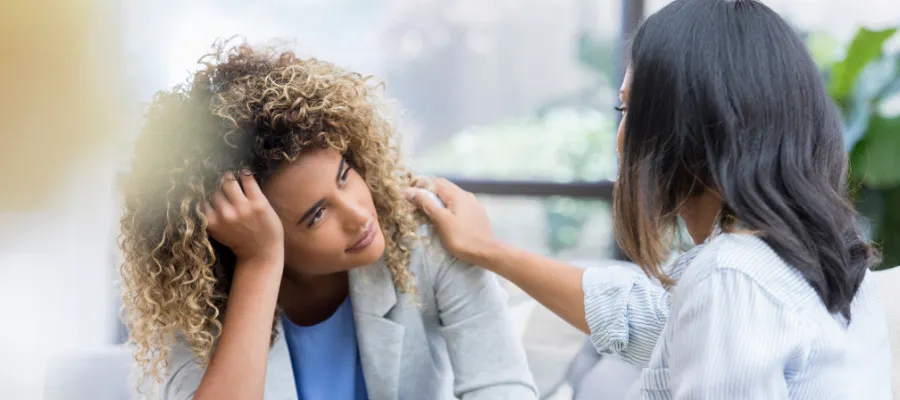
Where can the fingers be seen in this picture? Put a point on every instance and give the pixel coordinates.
(423, 182)
(232, 190)
(446, 185)
(222, 206)
(251, 187)
(232, 199)
(447, 191)
(433, 209)
(209, 212)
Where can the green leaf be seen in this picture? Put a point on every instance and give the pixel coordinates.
(856, 122)
(865, 47)
(870, 205)
(822, 46)
(892, 86)
(875, 160)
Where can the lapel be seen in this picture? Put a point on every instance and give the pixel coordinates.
(280, 383)
(380, 340)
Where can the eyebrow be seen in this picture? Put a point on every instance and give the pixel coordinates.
(311, 211)
(340, 169)
(319, 203)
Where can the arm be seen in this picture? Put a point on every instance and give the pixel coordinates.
(243, 220)
(622, 310)
(237, 369)
(554, 284)
(466, 233)
(626, 312)
(487, 358)
(730, 339)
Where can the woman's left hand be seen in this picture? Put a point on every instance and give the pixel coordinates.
(463, 225)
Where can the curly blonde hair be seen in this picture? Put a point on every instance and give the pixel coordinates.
(245, 108)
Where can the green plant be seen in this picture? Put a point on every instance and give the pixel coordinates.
(566, 217)
(864, 82)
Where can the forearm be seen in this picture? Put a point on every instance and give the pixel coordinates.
(554, 284)
(237, 369)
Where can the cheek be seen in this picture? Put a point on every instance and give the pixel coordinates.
(319, 249)
(361, 191)
(620, 137)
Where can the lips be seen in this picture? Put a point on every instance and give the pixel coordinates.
(365, 239)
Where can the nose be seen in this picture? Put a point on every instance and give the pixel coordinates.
(355, 215)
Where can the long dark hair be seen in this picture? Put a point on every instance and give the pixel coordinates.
(726, 98)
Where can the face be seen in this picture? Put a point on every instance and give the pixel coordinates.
(624, 94)
(329, 218)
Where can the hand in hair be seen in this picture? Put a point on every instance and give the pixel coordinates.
(240, 217)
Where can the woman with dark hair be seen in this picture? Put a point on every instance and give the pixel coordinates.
(728, 126)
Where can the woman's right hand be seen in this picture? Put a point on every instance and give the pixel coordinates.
(244, 220)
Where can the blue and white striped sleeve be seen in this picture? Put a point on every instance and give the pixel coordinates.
(625, 312)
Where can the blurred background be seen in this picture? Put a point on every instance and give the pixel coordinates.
(512, 99)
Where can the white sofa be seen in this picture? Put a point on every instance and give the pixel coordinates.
(888, 282)
(103, 374)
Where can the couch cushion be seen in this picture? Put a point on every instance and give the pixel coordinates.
(888, 282)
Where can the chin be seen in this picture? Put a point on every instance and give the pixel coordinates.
(373, 252)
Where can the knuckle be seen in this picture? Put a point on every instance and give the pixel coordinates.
(229, 216)
(257, 207)
(243, 212)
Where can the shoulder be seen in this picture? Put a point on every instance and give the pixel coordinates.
(180, 354)
(737, 287)
(429, 259)
(747, 259)
(183, 373)
(436, 268)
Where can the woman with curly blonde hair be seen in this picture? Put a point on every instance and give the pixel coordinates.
(270, 252)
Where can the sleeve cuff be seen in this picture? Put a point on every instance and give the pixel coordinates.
(606, 293)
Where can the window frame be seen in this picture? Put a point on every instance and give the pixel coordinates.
(632, 13)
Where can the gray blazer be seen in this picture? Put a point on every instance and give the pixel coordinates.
(454, 340)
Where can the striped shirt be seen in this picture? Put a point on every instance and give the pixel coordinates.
(739, 324)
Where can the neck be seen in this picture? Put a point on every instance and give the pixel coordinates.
(699, 215)
(308, 300)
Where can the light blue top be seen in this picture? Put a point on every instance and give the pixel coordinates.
(739, 324)
(325, 357)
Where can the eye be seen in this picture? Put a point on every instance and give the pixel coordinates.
(316, 217)
(345, 175)
(621, 108)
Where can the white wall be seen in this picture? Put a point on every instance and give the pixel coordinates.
(56, 277)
